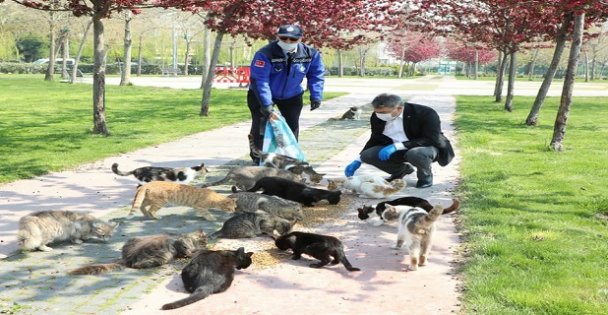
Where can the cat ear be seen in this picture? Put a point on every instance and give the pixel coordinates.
(249, 254)
(240, 251)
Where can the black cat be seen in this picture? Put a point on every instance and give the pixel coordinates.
(210, 271)
(294, 191)
(321, 247)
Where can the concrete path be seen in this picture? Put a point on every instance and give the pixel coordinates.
(36, 282)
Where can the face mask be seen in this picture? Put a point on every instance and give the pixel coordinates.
(385, 117)
(287, 46)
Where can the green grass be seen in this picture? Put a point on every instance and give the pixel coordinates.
(46, 126)
(534, 221)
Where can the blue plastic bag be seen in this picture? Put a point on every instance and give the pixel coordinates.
(279, 139)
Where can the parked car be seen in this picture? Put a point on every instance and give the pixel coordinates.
(58, 61)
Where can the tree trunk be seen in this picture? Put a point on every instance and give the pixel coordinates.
(206, 56)
(532, 64)
(512, 74)
(593, 68)
(500, 78)
(50, 69)
(340, 64)
(560, 43)
(401, 62)
(559, 129)
(476, 73)
(498, 65)
(65, 54)
(586, 66)
(99, 78)
(186, 59)
(79, 53)
(139, 56)
(125, 75)
(211, 75)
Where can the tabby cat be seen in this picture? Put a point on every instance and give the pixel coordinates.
(155, 195)
(368, 186)
(246, 176)
(353, 113)
(321, 247)
(252, 224)
(38, 229)
(210, 272)
(250, 202)
(150, 251)
(290, 190)
(147, 174)
(416, 228)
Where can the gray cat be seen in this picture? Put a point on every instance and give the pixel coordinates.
(246, 176)
(150, 251)
(38, 229)
(247, 224)
(251, 202)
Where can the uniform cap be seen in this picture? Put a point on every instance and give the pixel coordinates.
(290, 30)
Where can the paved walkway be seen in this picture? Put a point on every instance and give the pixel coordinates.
(37, 282)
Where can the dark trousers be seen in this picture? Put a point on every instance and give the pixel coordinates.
(289, 108)
(420, 157)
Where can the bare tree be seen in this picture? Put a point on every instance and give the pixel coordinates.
(125, 74)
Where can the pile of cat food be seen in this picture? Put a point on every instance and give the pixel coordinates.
(319, 214)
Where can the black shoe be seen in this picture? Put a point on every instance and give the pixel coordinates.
(425, 183)
(406, 171)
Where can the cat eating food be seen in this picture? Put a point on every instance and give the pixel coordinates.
(147, 174)
(246, 176)
(416, 228)
(150, 251)
(38, 229)
(152, 196)
(290, 190)
(368, 186)
(210, 271)
(251, 202)
(252, 224)
(321, 247)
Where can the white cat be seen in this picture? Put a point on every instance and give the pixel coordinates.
(367, 186)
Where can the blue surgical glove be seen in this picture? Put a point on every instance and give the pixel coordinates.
(351, 168)
(386, 152)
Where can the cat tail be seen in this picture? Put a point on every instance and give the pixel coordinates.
(430, 217)
(98, 268)
(198, 294)
(140, 195)
(347, 264)
(455, 205)
(118, 172)
(397, 185)
(219, 182)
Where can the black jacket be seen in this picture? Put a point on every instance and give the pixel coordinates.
(422, 128)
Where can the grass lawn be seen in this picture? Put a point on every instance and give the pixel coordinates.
(46, 126)
(535, 222)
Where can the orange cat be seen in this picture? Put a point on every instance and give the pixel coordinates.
(155, 195)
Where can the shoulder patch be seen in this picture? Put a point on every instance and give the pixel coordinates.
(260, 63)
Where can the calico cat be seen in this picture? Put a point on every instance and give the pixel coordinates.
(286, 163)
(246, 176)
(381, 215)
(150, 251)
(368, 186)
(210, 272)
(152, 196)
(416, 228)
(38, 229)
(250, 202)
(321, 247)
(290, 190)
(147, 174)
(252, 224)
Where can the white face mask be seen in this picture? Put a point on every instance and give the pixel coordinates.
(385, 117)
(287, 46)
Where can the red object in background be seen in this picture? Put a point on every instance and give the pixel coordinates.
(238, 75)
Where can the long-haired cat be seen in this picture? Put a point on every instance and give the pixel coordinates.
(378, 215)
(321, 247)
(416, 228)
(246, 176)
(248, 224)
(152, 196)
(286, 163)
(147, 174)
(251, 202)
(150, 251)
(210, 272)
(290, 190)
(38, 229)
(368, 186)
